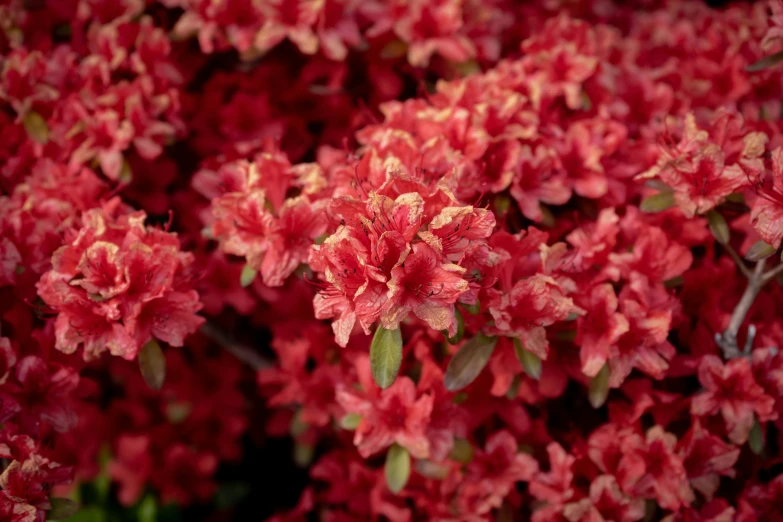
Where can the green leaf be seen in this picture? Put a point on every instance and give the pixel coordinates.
(756, 438)
(657, 202)
(767, 61)
(433, 470)
(152, 364)
(351, 421)
(177, 412)
(36, 127)
(472, 309)
(674, 282)
(248, 275)
(148, 509)
(88, 514)
(385, 356)
(229, 494)
(467, 68)
(62, 508)
(126, 173)
(599, 387)
(462, 451)
(298, 426)
(513, 388)
(759, 250)
(303, 455)
(460, 328)
(398, 468)
(505, 513)
(530, 362)
(394, 49)
(468, 362)
(718, 227)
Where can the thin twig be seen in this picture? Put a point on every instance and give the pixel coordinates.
(244, 353)
(728, 339)
(739, 261)
(772, 274)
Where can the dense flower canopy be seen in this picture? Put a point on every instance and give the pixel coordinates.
(469, 260)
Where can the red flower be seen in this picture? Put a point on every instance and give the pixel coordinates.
(554, 486)
(118, 284)
(7, 358)
(605, 503)
(185, 475)
(426, 286)
(492, 474)
(766, 196)
(397, 414)
(650, 468)
(732, 391)
(451, 232)
(28, 483)
(132, 467)
(706, 457)
(600, 328)
(42, 390)
(649, 312)
(696, 170)
(530, 306)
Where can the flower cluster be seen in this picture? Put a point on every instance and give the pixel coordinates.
(456, 30)
(471, 260)
(118, 284)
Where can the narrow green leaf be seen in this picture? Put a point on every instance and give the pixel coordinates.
(126, 173)
(152, 363)
(513, 388)
(505, 513)
(756, 438)
(394, 49)
(674, 282)
(473, 309)
(148, 509)
(303, 455)
(36, 127)
(431, 469)
(657, 202)
(229, 494)
(177, 412)
(547, 217)
(467, 68)
(502, 203)
(767, 61)
(248, 275)
(398, 468)
(718, 227)
(462, 451)
(298, 426)
(88, 514)
(62, 508)
(759, 250)
(385, 356)
(460, 328)
(351, 421)
(599, 387)
(468, 362)
(530, 362)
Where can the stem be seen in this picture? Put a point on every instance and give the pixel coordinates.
(756, 281)
(244, 353)
(739, 261)
(772, 274)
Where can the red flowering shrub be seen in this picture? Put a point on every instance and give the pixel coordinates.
(463, 260)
